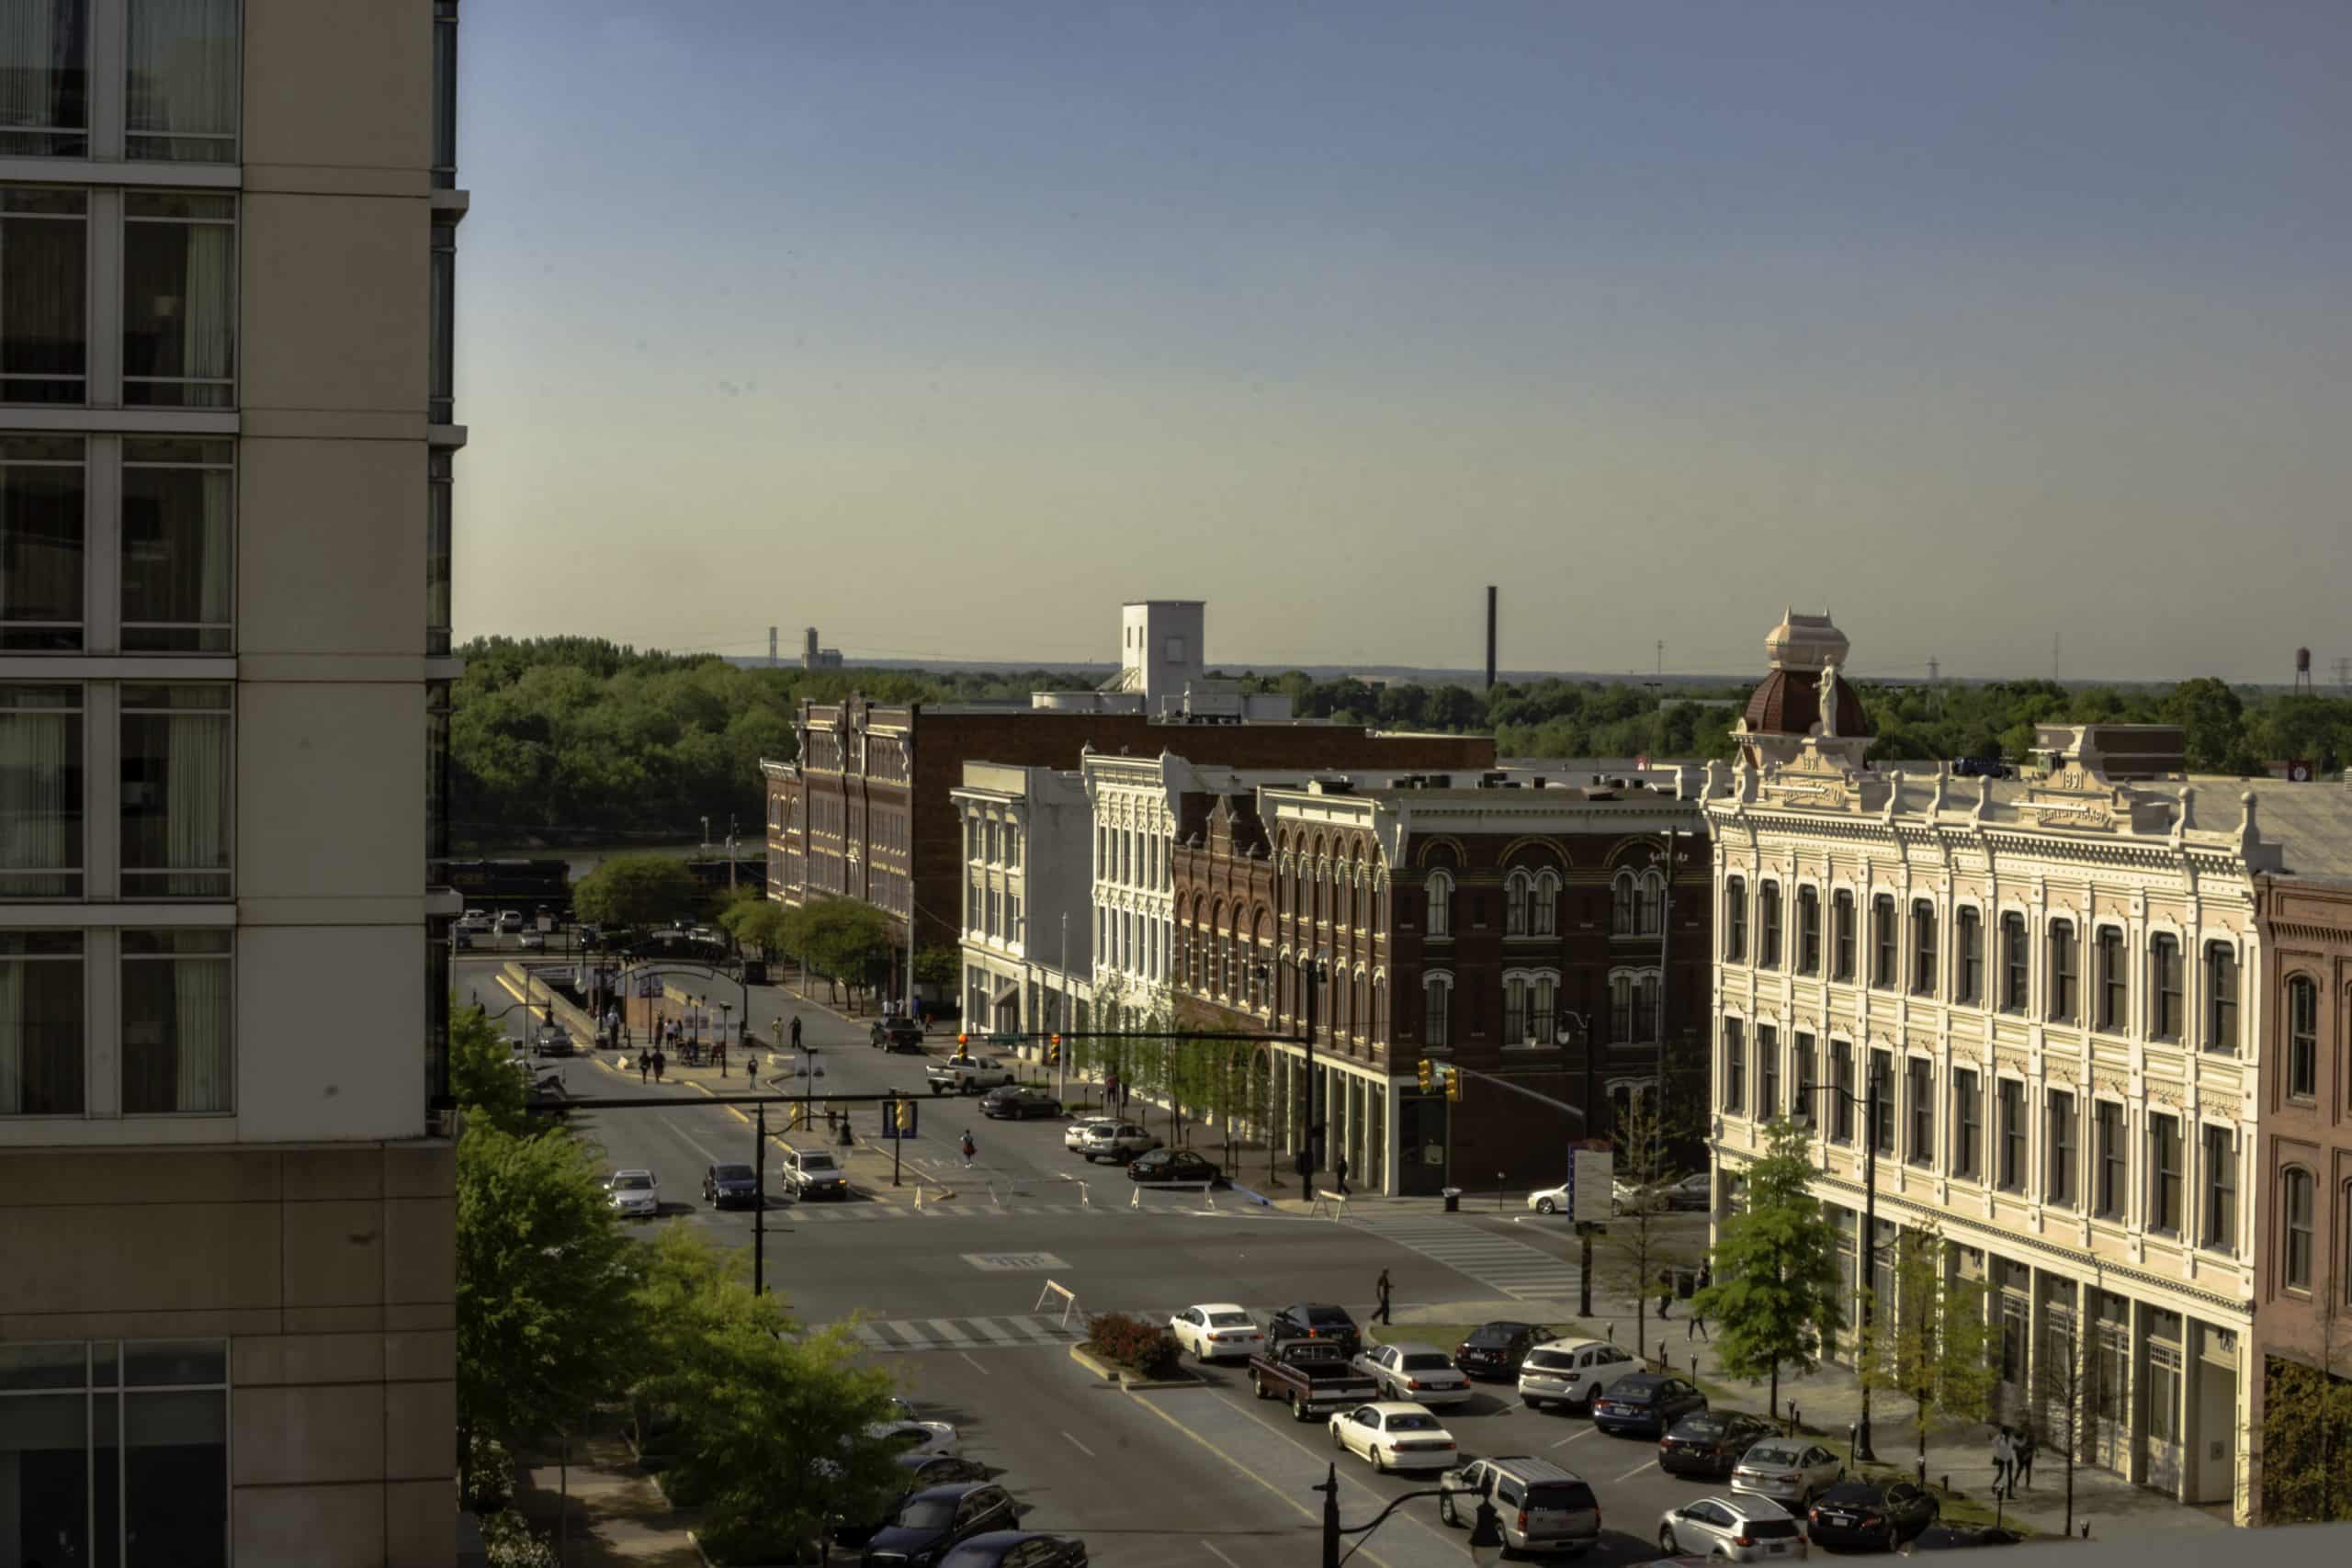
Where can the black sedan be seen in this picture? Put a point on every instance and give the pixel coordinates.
(1175, 1164)
(730, 1186)
(1496, 1349)
(938, 1470)
(1882, 1514)
(1018, 1548)
(1313, 1320)
(1011, 1101)
(931, 1522)
(1960, 1538)
(1709, 1442)
(1645, 1404)
(896, 1034)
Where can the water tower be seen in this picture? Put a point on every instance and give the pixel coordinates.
(2302, 672)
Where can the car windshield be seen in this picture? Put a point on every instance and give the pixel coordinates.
(734, 1173)
(1550, 1360)
(632, 1181)
(1428, 1361)
(1562, 1497)
(1228, 1320)
(1766, 1454)
(926, 1514)
(816, 1162)
(1412, 1423)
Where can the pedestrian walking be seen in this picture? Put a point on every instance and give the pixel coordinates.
(795, 1033)
(2026, 1445)
(1339, 1170)
(644, 1064)
(660, 1062)
(1697, 1326)
(1665, 1292)
(723, 1059)
(1382, 1286)
(971, 1149)
(2003, 1457)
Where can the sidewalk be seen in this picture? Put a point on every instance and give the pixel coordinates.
(614, 1515)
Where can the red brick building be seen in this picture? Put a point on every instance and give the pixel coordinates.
(1498, 927)
(865, 812)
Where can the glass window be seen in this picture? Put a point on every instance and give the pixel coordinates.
(2012, 1133)
(1968, 1123)
(176, 1022)
(2014, 980)
(440, 400)
(1968, 931)
(2064, 973)
(2220, 1226)
(1768, 925)
(1922, 1151)
(2221, 997)
(1735, 920)
(2164, 981)
(181, 104)
(179, 521)
(44, 483)
(1808, 930)
(42, 1027)
(177, 763)
(1652, 913)
(2296, 1204)
(1437, 998)
(1842, 908)
(40, 792)
(2058, 1151)
(2163, 1174)
(438, 537)
(1841, 1096)
(44, 296)
(1923, 948)
(1809, 1073)
(179, 299)
(445, 93)
(2114, 992)
(2302, 1038)
(2108, 1131)
(1885, 969)
(1735, 1065)
(45, 79)
(1440, 893)
(1768, 1072)
(1516, 897)
(436, 779)
(1881, 1097)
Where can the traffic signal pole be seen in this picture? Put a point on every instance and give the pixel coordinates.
(760, 1204)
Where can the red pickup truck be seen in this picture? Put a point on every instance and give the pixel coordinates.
(1314, 1375)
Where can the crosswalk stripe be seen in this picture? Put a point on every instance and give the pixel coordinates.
(872, 1338)
(909, 1335)
(996, 1335)
(1045, 1330)
(947, 1329)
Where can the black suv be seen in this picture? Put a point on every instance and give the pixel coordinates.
(1311, 1320)
(1709, 1442)
(726, 1186)
(1496, 1349)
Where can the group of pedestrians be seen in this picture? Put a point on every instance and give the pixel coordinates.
(651, 1062)
(2013, 1453)
(1695, 1326)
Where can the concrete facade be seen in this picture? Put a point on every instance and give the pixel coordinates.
(1026, 917)
(222, 1191)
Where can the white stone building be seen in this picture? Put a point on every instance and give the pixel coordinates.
(1028, 916)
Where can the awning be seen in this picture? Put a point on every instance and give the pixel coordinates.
(1011, 993)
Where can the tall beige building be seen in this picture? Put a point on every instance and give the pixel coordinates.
(226, 1269)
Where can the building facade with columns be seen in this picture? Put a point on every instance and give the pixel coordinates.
(1028, 920)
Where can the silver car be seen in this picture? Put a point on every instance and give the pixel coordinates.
(1787, 1470)
(637, 1194)
(1736, 1530)
(1422, 1373)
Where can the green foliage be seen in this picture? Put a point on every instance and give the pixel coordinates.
(639, 890)
(1775, 1297)
(2307, 1437)
(759, 925)
(1638, 1247)
(489, 1475)
(938, 966)
(1931, 1344)
(1145, 1349)
(481, 1073)
(846, 941)
(544, 1278)
(510, 1543)
(772, 1434)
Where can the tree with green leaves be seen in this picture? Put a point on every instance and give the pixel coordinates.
(1638, 1246)
(1775, 1298)
(758, 925)
(639, 890)
(482, 1079)
(1932, 1343)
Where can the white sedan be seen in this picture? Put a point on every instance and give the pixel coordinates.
(1421, 1372)
(1218, 1328)
(1394, 1435)
(1549, 1201)
(924, 1438)
(637, 1194)
(1078, 1131)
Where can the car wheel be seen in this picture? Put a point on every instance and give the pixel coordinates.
(1545, 1206)
(1297, 1408)
(1379, 1461)
(1445, 1514)
(1534, 1404)
(1665, 1540)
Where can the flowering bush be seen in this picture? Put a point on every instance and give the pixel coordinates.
(1142, 1347)
(512, 1543)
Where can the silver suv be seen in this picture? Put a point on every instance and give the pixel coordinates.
(1542, 1508)
(814, 1173)
(1122, 1141)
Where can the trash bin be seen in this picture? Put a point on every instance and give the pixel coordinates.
(1454, 1199)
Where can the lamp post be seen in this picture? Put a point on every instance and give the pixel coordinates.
(1485, 1543)
(1062, 1019)
(1866, 1254)
(1312, 971)
(724, 1009)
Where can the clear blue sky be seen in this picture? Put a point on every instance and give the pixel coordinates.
(947, 327)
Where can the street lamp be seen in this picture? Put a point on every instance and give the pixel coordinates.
(1865, 1255)
(1486, 1536)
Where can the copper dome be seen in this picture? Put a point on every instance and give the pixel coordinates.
(1788, 703)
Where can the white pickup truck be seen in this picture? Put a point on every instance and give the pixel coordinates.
(969, 1075)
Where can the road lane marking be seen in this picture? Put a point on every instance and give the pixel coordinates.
(1082, 1448)
(1288, 1501)
(1211, 1547)
(870, 1337)
(946, 1328)
(976, 1366)
(1637, 1470)
(1572, 1437)
(989, 1330)
(908, 1333)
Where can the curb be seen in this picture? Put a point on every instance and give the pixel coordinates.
(1130, 1381)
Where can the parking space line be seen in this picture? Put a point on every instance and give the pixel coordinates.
(1288, 1501)
(1210, 1547)
(976, 1366)
(1637, 1470)
(1082, 1448)
(1572, 1437)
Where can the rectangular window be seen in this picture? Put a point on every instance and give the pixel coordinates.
(1841, 1091)
(1923, 948)
(177, 768)
(1842, 909)
(2012, 1134)
(1735, 920)
(40, 792)
(176, 1022)
(2058, 1151)
(1514, 1010)
(2114, 976)
(1768, 926)
(2221, 997)
(2302, 1038)
(1735, 1065)
(44, 296)
(181, 86)
(2220, 1231)
(445, 95)
(42, 1027)
(2163, 1174)
(1436, 994)
(1882, 1097)
(1809, 1073)
(440, 403)
(2163, 988)
(178, 520)
(436, 781)
(2014, 980)
(1922, 1151)
(2108, 1130)
(179, 299)
(1885, 970)
(1968, 937)
(45, 79)
(1808, 930)
(43, 541)
(1768, 1072)
(2064, 974)
(439, 517)
(1968, 1124)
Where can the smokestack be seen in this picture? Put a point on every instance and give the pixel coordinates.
(772, 631)
(1490, 637)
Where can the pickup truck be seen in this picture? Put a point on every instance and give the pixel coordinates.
(968, 1076)
(1314, 1375)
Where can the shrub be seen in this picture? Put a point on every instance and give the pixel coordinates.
(512, 1543)
(1142, 1347)
(489, 1476)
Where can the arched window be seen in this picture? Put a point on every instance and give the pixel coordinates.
(2164, 987)
(1768, 925)
(2065, 973)
(1543, 916)
(1376, 1023)
(1441, 896)
(2221, 997)
(1437, 1009)
(1621, 914)
(1923, 947)
(1518, 891)
(2297, 1201)
(1651, 918)
(2302, 1038)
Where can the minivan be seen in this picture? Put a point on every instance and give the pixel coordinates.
(1541, 1507)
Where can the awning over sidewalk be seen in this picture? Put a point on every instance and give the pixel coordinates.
(1010, 992)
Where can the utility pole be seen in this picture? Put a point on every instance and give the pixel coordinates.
(760, 1203)
(1061, 1018)
(1661, 659)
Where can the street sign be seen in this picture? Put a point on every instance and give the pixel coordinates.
(1592, 1176)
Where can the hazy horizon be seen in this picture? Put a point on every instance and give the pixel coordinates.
(946, 328)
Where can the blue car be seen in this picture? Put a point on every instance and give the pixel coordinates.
(1018, 1548)
(933, 1522)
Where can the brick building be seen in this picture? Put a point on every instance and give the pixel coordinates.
(866, 812)
(1482, 921)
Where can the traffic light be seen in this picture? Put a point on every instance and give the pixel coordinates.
(1426, 1078)
(1453, 1086)
(963, 1042)
(1054, 1051)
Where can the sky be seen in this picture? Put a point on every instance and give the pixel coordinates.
(946, 328)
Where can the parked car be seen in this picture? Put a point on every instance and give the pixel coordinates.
(1394, 1435)
(967, 1075)
(1687, 1192)
(532, 941)
(510, 920)
(1124, 1141)
(1693, 1193)
(1018, 1548)
(939, 1470)
(1709, 1442)
(1980, 768)
(895, 1035)
(1420, 1372)
(730, 1186)
(1570, 1372)
(1019, 1104)
(1315, 1320)
(1645, 1404)
(461, 940)
(813, 1173)
(1074, 1137)
(1217, 1330)
(1941, 1537)
(931, 1522)
(910, 1437)
(474, 920)
(637, 1194)
(1790, 1470)
(1871, 1513)
(1313, 1376)
(1496, 1349)
(1732, 1530)
(1175, 1164)
(1549, 1201)
(1542, 1508)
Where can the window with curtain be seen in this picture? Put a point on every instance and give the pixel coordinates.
(440, 398)
(1437, 1005)
(176, 767)
(40, 792)
(180, 83)
(2221, 997)
(2302, 1038)
(439, 517)
(45, 79)
(176, 1023)
(44, 537)
(179, 521)
(2297, 1203)
(42, 1026)
(44, 295)
(1441, 896)
(179, 299)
